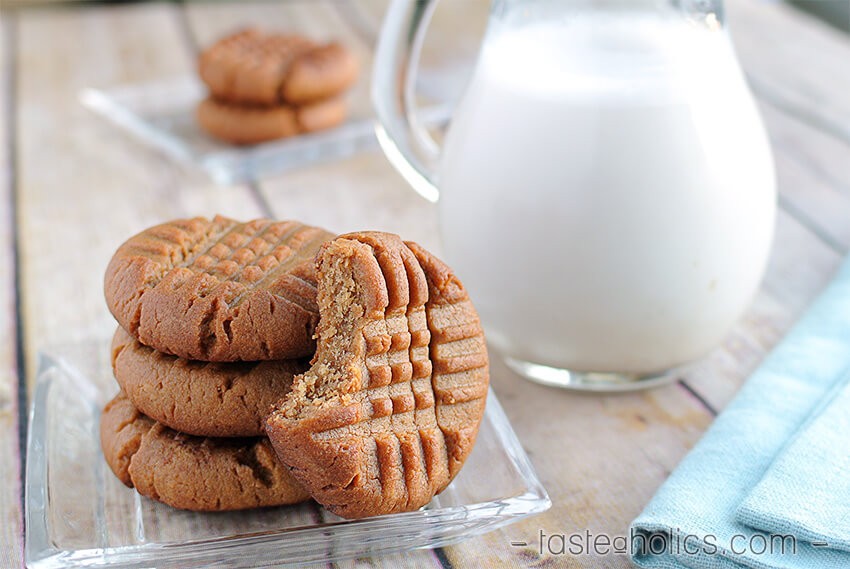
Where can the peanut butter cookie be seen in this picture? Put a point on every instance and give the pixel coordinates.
(201, 398)
(255, 68)
(219, 290)
(391, 406)
(192, 473)
(238, 124)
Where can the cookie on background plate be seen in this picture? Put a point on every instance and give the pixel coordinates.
(207, 399)
(237, 124)
(192, 473)
(251, 67)
(219, 290)
(390, 409)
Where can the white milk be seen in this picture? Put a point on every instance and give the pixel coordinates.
(607, 192)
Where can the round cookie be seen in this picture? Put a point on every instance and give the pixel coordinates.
(390, 409)
(200, 398)
(192, 473)
(250, 67)
(237, 124)
(320, 73)
(219, 290)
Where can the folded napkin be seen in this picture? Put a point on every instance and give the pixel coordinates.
(693, 522)
(806, 491)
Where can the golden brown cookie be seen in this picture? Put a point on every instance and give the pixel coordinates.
(320, 73)
(192, 473)
(201, 398)
(122, 428)
(237, 124)
(254, 68)
(390, 409)
(219, 290)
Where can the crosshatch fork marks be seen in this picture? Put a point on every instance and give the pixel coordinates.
(390, 410)
(246, 253)
(219, 290)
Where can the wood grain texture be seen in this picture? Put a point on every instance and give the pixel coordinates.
(365, 190)
(601, 458)
(574, 440)
(11, 522)
(367, 193)
(84, 186)
(603, 497)
(813, 171)
(794, 60)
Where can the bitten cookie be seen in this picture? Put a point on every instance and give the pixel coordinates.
(192, 473)
(251, 125)
(219, 290)
(250, 67)
(390, 409)
(201, 398)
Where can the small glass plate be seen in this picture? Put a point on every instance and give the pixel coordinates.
(162, 115)
(79, 515)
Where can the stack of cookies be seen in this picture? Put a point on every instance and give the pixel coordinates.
(219, 408)
(268, 86)
(214, 316)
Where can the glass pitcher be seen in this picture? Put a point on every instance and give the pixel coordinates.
(606, 188)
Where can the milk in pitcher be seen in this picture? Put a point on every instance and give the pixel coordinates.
(607, 191)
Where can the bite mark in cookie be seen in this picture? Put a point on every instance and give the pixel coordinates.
(390, 409)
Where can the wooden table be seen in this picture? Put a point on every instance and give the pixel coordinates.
(72, 188)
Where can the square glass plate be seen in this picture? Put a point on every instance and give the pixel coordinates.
(79, 515)
(162, 115)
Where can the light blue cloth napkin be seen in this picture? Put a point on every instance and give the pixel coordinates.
(806, 491)
(691, 522)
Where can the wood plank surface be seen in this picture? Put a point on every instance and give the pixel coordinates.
(813, 170)
(83, 187)
(11, 529)
(369, 194)
(670, 424)
(601, 458)
(351, 191)
(545, 419)
(794, 60)
(800, 266)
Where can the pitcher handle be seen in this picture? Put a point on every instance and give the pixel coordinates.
(404, 140)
